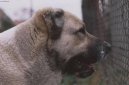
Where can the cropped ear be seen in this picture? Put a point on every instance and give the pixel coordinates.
(54, 21)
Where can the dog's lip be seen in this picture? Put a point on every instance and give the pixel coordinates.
(89, 58)
(83, 73)
(81, 65)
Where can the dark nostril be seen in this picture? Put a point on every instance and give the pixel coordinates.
(107, 46)
(104, 44)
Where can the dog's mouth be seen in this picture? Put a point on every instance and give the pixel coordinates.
(80, 65)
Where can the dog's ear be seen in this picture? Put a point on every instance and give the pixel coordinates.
(54, 21)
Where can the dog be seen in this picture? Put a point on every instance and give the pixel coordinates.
(42, 49)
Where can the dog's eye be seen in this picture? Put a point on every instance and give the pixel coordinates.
(82, 30)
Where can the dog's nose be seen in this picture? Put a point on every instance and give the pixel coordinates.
(103, 49)
(107, 46)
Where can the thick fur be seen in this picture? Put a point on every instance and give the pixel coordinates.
(22, 54)
(33, 52)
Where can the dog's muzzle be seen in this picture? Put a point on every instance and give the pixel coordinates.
(81, 65)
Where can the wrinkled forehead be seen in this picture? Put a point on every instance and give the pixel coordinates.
(72, 21)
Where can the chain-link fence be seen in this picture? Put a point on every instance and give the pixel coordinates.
(116, 18)
(113, 26)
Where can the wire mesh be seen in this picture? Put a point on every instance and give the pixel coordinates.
(115, 16)
(109, 20)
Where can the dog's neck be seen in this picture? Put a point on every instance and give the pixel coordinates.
(30, 48)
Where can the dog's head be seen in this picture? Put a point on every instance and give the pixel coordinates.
(75, 50)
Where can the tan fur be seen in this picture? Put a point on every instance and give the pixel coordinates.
(23, 57)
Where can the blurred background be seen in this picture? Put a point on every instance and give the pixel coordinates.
(23, 9)
(106, 19)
